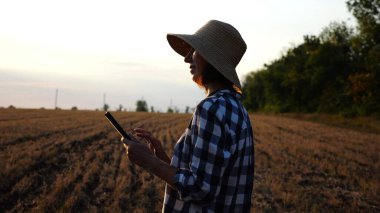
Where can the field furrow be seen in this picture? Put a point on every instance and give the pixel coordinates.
(73, 161)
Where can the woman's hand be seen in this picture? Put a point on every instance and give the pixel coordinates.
(139, 153)
(142, 155)
(154, 143)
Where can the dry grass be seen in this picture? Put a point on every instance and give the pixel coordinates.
(73, 161)
(365, 124)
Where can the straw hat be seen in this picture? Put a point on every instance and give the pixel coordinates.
(218, 43)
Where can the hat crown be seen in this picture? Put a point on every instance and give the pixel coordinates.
(223, 39)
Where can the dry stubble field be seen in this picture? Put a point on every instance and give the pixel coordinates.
(69, 161)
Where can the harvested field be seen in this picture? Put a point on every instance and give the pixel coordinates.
(73, 161)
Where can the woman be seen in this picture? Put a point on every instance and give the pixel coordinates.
(213, 164)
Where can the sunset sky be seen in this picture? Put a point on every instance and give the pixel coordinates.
(86, 49)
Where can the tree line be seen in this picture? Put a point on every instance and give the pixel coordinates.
(142, 106)
(336, 72)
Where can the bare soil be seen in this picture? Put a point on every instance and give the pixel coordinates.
(69, 161)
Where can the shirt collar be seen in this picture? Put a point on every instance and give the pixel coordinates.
(225, 91)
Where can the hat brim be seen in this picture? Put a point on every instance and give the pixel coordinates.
(178, 44)
(182, 44)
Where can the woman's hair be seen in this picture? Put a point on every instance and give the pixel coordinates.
(211, 74)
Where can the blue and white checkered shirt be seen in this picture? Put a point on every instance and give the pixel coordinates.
(215, 159)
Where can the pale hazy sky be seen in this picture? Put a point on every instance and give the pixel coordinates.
(89, 48)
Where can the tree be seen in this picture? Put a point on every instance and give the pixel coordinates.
(309, 77)
(254, 90)
(367, 13)
(335, 72)
(366, 47)
(141, 106)
(120, 108)
(170, 110)
(337, 33)
(106, 107)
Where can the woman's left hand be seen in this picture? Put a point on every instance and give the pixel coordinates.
(139, 153)
(154, 143)
(143, 156)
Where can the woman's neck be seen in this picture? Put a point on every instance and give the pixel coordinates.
(214, 86)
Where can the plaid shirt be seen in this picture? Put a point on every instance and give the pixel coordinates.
(215, 159)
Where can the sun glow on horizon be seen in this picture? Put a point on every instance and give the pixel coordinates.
(120, 48)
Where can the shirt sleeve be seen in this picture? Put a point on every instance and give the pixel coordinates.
(202, 182)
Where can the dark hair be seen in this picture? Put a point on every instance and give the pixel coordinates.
(211, 74)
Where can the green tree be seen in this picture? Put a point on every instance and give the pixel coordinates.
(141, 106)
(365, 81)
(170, 110)
(309, 77)
(335, 72)
(254, 90)
(367, 13)
(106, 107)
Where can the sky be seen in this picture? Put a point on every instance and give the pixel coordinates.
(117, 52)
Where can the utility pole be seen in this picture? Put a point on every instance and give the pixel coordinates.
(56, 99)
(105, 106)
(104, 99)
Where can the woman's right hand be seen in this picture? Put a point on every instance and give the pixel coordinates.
(154, 143)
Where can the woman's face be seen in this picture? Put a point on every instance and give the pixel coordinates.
(197, 64)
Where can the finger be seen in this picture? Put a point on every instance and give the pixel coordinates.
(151, 147)
(155, 141)
(140, 130)
(143, 135)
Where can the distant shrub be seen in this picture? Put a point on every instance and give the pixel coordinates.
(348, 113)
(74, 108)
(106, 107)
(11, 107)
(141, 106)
